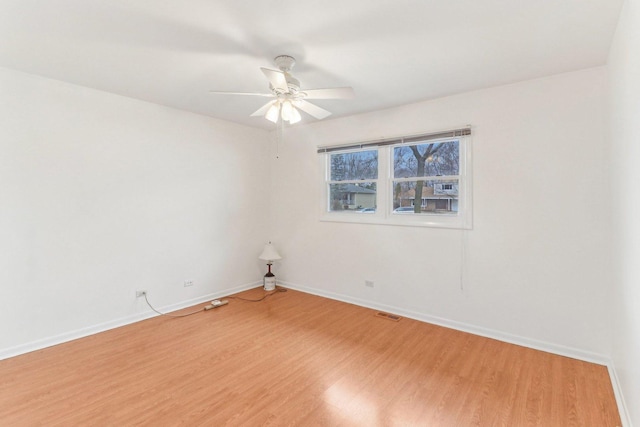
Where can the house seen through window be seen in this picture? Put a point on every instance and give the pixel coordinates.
(428, 173)
(353, 181)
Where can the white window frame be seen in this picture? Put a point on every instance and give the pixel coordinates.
(384, 214)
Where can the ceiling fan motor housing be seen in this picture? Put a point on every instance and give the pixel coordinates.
(293, 83)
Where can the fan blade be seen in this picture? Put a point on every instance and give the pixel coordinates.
(263, 110)
(276, 78)
(217, 92)
(312, 110)
(330, 93)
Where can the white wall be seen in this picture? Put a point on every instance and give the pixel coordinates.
(624, 81)
(102, 195)
(537, 260)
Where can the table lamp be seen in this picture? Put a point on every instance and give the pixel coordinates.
(269, 254)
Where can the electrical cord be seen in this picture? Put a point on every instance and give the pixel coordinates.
(170, 315)
(278, 290)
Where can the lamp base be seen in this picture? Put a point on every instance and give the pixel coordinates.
(269, 282)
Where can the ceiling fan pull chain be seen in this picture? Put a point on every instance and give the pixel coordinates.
(279, 138)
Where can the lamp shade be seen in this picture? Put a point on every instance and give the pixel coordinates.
(295, 116)
(287, 111)
(269, 253)
(273, 112)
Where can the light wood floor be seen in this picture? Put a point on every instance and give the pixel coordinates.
(299, 360)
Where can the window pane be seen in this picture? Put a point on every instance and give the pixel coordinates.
(359, 198)
(440, 158)
(438, 197)
(354, 166)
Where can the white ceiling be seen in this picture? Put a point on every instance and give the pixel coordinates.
(392, 52)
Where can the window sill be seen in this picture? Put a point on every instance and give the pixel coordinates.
(452, 221)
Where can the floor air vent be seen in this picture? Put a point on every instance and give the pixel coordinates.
(388, 316)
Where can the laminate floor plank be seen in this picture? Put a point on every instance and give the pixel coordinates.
(296, 359)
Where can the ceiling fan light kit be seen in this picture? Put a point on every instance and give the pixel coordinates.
(289, 98)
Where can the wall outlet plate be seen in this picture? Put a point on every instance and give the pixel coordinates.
(188, 283)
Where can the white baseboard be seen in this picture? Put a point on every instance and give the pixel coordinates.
(116, 323)
(625, 417)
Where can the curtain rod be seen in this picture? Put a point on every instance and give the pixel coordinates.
(391, 141)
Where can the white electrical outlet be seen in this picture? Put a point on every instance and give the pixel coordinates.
(140, 293)
(368, 283)
(188, 283)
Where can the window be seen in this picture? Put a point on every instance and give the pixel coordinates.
(421, 180)
(428, 171)
(352, 181)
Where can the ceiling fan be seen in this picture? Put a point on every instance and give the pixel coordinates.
(288, 97)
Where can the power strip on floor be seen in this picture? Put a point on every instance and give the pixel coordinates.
(216, 303)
